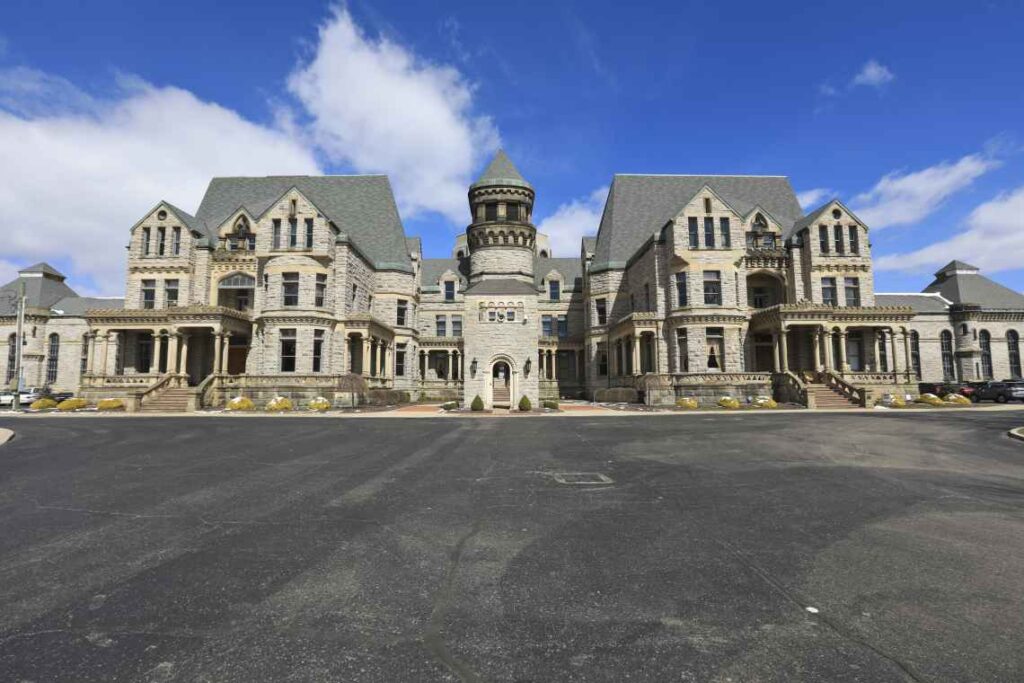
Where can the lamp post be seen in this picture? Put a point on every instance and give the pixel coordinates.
(19, 340)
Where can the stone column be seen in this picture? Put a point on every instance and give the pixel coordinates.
(385, 369)
(184, 355)
(106, 352)
(423, 365)
(157, 343)
(816, 348)
(784, 350)
(172, 353)
(895, 352)
(908, 365)
(775, 352)
(635, 340)
(448, 378)
(364, 366)
(843, 366)
(552, 360)
(225, 351)
(90, 350)
(879, 343)
(218, 341)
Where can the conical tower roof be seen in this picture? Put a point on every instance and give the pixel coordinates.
(501, 171)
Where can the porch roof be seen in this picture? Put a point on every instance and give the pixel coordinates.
(811, 313)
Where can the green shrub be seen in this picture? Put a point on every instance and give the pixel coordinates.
(524, 405)
(387, 397)
(550, 405)
(453, 405)
(617, 395)
(688, 403)
(110, 404)
(279, 404)
(477, 405)
(43, 404)
(72, 404)
(729, 403)
(240, 403)
(319, 404)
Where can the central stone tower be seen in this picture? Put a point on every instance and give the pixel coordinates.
(501, 239)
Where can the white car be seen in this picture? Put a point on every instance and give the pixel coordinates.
(6, 398)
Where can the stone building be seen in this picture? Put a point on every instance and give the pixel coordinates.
(693, 285)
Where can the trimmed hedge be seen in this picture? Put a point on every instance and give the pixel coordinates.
(43, 404)
(477, 405)
(110, 404)
(240, 403)
(551, 405)
(451, 405)
(617, 395)
(524, 405)
(72, 404)
(387, 397)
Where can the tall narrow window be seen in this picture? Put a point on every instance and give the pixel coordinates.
(52, 358)
(401, 312)
(768, 240)
(948, 368)
(170, 293)
(318, 350)
(852, 286)
(823, 238)
(681, 298)
(709, 232)
(682, 350)
(602, 360)
(555, 289)
(149, 293)
(145, 241)
(985, 341)
(712, 288)
(290, 289)
(1013, 347)
(84, 362)
(456, 325)
(716, 348)
(563, 326)
(840, 245)
(293, 232)
(707, 205)
(449, 290)
(12, 356)
(288, 350)
(161, 240)
(829, 295)
(726, 232)
(694, 229)
(512, 212)
(277, 233)
(491, 211)
(545, 326)
(854, 240)
(320, 293)
(175, 241)
(883, 353)
(601, 308)
(441, 325)
(915, 353)
(309, 233)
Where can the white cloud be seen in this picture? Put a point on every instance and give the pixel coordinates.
(571, 221)
(77, 178)
(873, 74)
(993, 239)
(901, 198)
(379, 108)
(810, 199)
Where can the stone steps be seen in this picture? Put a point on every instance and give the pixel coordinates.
(501, 396)
(174, 400)
(827, 397)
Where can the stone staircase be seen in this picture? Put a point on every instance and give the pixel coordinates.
(501, 397)
(170, 400)
(827, 397)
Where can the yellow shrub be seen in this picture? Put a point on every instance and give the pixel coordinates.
(240, 403)
(110, 404)
(71, 404)
(729, 403)
(765, 402)
(687, 402)
(898, 402)
(319, 404)
(43, 404)
(957, 399)
(929, 399)
(279, 404)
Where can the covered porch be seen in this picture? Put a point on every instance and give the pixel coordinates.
(440, 365)
(370, 348)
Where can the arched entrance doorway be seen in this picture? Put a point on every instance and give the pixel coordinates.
(501, 384)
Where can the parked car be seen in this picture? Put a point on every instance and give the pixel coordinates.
(1000, 392)
(59, 396)
(31, 394)
(943, 388)
(7, 399)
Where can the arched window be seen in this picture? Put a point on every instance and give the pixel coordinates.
(12, 356)
(1013, 346)
(760, 223)
(948, 368)
(52, 356)
(985, 341)
(915, 353)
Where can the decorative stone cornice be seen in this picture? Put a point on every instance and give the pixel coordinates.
(678, 318)
(807, 311)
(440, 342)
(157, 315)
(843, 267)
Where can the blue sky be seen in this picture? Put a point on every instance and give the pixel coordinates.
(909, 112)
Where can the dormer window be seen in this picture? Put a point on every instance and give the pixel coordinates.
(554, 290)
(707, 205)
(449, 290)
(760, 224)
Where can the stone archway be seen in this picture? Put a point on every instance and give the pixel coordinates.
(502, 382)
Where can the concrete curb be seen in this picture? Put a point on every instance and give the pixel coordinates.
(1017, 433)
(5, 435)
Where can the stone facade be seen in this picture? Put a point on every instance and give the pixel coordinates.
(693, 286)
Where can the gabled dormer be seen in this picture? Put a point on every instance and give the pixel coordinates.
(293, 222)
(238, 232)
(833, 230)
(762, 230)
(706, 222)
(166, 232)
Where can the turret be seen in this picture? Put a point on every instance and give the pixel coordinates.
(501, 238)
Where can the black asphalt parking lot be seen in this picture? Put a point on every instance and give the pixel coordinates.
(786, 547)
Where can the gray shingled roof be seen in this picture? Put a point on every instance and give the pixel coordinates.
(921, 303)
(492, 287)
(362, 207)
(813, 216)
(640, 205)
(414, 245)
(955, 265)
(78, 305)
(589, 244)
(44, 268)
(431, 269)
(974, 288)
(501, 171)
(40, 292)
(571, 270)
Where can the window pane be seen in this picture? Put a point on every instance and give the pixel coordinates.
(712, 288)
(694, 233)
(681, 289)
(709, 232)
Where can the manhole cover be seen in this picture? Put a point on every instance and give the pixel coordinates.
(582, 478)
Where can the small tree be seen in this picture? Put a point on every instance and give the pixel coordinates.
(477, 405)
(524, 405)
